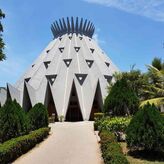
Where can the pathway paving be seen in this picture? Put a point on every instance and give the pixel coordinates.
(68, 143)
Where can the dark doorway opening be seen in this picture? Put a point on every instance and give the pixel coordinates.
(49, 103)
(73, 111)
(27, 105)
(97, 103)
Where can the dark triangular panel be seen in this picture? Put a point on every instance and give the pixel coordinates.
(70, 37)
(108, 78)
(74, 112)
(81, 77)
(51, 78)
(80, 37)
(33, 65)
(60, 38)
(47, 51)
(89, 62)
(46, 64)
(27, 79)
(67, 62)
(92, 50)
(97, 102)
(77, 49)
(108, 64)
(27, 105)
(61, 49)
(8, 93)
(49, 102)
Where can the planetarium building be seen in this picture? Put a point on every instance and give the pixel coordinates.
(70, 76)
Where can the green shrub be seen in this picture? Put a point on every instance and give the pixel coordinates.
(146, 130)
(113, 124)
(13, 121)
(121, 100)
(98, 116)
(12, 149)
(111, 150)
(38, 117)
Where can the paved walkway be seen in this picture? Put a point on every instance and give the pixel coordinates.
(68, 143)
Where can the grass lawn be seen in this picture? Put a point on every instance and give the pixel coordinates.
(140, 159)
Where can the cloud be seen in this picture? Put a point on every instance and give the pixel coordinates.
(97, 38)
(153, 9)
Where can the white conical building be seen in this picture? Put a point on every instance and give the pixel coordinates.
(70, 76)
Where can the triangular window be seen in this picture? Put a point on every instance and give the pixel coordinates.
(92, 50)
(46, 64)
(27, 79)
(81, 77)
(77, 49)
(33, 65)
(51, 78)
(61, 49)
(60, 38)
(89, 62)
(47, 51)
(80, 37)
(67, 62)
(70, 37)
(108, 78)
(108, 64)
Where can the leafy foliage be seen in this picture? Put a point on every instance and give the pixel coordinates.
(121, 100)
(157, 63)
(2, 44)
(154, 91)
(114, 124)
(38, 116)
(111, 150)
(15, 147)
(13, 121)
(146, 129)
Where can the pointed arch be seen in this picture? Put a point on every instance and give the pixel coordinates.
(97, 102)
(49, 102)
(27, 105)
(73, 111)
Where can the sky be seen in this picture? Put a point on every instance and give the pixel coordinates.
(130, 32)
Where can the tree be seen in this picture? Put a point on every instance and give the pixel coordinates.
(13, 121)
(157, 63)
(121, 100)
(155, 89)
(146, 130)
(38, 116)
(2, 44)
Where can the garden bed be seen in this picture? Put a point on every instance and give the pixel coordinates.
(12, 149)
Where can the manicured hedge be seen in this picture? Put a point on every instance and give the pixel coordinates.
(111, 150)
(12, 149)
(113, 124)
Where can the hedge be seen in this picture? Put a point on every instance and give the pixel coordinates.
(12, 149)
(111, 150)
(113, 124)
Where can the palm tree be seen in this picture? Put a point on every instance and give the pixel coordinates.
(155, 88)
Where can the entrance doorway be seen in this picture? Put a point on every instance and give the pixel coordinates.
(73, 111)
(49, 103)
(97, 103)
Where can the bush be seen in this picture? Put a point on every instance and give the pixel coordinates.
(98, 116)
(38, 117)
(121, 100)
(12, 149)
(113, 124)
(146, 130)
(13, 121)
(111, 150)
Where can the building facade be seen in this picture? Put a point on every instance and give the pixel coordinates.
(70, 76)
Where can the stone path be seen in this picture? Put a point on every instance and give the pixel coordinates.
(68, 143)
